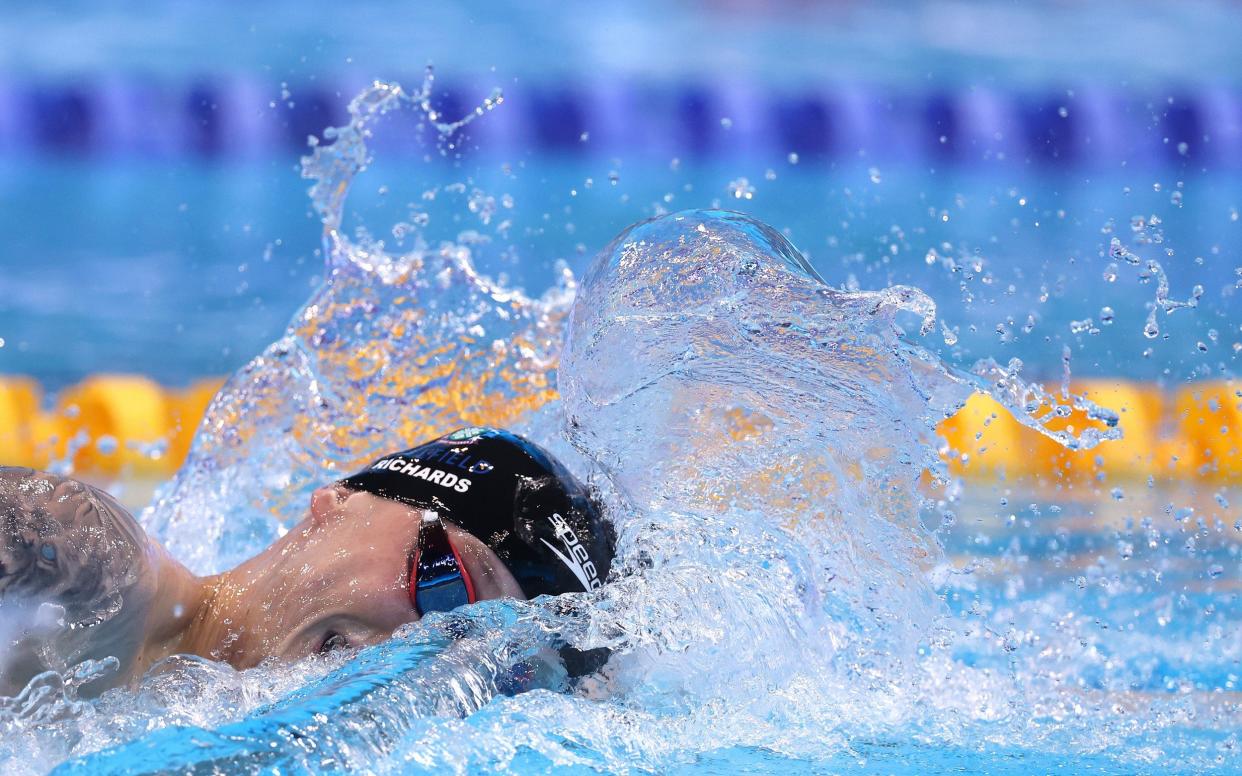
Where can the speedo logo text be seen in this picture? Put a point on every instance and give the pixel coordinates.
(577, 559)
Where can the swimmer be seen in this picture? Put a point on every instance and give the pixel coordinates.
(475, 515)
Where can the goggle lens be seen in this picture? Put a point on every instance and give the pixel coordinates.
(439, 582)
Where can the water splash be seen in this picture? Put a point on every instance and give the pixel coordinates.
(732, 396)
(391, 348)
(1152, 269)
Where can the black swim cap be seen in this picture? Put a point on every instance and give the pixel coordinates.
(511, 494)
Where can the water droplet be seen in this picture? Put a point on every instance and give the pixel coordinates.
(1118, 251)
(740, 188)
(1085, 325)
(950, 336)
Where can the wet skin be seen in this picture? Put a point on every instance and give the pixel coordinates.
(338, 579)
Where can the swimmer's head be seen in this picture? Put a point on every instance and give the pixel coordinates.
(514, 496)
(513, 521)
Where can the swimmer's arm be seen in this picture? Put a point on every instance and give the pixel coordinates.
(65, 543)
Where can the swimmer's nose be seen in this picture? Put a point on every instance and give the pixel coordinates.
(326, 500)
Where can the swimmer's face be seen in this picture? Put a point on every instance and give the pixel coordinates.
(339, 579)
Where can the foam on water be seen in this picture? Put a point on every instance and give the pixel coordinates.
(761, 440)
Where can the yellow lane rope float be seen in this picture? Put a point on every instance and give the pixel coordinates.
(130, 426)
(106, 424)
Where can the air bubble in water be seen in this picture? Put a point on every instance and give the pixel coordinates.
(1106, 316)
(793, 159)
(874, 174)
(1110, 272)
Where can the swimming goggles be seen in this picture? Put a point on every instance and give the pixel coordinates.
(438, 579)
